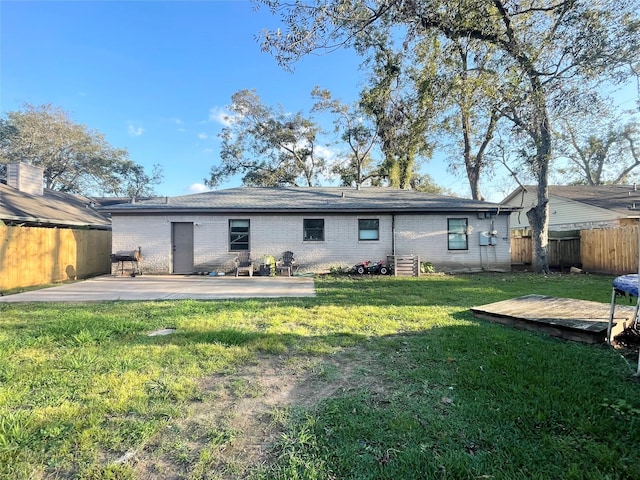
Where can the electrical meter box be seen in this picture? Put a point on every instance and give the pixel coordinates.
(488, 239)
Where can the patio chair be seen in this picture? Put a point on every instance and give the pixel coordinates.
(285, 264)
(244, 263)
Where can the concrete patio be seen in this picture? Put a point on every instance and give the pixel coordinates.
(169, 287)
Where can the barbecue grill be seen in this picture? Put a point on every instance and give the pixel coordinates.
(133, 257)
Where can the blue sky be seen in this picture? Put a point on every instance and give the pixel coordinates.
(155, 76)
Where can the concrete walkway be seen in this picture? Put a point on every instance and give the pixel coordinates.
(169, 287)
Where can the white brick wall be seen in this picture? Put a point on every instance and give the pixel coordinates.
(426, 236)
(423, 235)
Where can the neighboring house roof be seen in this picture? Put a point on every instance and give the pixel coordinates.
(616, 198)
(53, 208)
(108, 201)
(306, 200)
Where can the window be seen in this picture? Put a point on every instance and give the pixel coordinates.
(238, 235)
(457, 230)
(313, 229)
(368, 229)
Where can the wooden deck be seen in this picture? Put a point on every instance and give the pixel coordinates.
(577, 320)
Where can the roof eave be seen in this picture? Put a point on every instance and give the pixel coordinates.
(50, 221)
(209, 210)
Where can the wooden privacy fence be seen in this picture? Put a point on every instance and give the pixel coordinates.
(35, 256)
(610, 250)
(562, 252)
(521, 250)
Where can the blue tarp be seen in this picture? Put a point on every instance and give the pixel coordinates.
(627, 284)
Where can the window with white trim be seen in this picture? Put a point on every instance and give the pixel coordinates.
(457, 234)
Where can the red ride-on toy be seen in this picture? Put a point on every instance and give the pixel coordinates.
(362, 267)
(379, 268)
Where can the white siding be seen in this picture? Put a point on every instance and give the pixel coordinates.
(423, 235)
(564, 214)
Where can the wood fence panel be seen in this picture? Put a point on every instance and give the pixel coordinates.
(561, 252)
(35, 256)
(610, 250)
(564, 252)
(521, 250)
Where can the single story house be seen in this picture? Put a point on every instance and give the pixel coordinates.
(324, 227)
(578, 207)
(24, 201)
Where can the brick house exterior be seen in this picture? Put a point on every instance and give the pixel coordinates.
(324, 227)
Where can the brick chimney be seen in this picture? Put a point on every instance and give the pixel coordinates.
(25, 178)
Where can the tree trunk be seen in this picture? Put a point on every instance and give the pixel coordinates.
(474, 182)
(539, 215)
(538, 219)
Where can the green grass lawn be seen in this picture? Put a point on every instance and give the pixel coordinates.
(386, 379)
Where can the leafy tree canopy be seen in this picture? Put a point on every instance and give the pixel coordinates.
(267, 146)
(357, 140)
(543, 49)
(74, 158)
(598, 149)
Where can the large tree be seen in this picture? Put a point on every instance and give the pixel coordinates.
(541, 47)
(401, 115)
(129, 179)
(356, 165)
(473, 96)
(74, 158)
(267, 146)
(599, 150)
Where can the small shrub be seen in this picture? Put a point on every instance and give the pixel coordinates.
(427, 267)
(271, 261)
(336, 270)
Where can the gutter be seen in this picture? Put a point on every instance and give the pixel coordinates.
(291, 211)
(44, 222)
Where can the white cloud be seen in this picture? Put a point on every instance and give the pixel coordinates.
(197, 188)
(327, 153)
(135, 131)
(218, 115)
(203, 136)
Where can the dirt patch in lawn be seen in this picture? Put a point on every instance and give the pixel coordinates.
(231, 432)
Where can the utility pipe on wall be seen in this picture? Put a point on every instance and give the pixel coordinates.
(393, 234)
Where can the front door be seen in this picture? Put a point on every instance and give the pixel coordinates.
(182, 247)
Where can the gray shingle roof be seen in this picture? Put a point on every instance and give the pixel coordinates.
(52, 208)
(305, 199)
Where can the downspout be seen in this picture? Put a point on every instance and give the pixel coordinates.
(393, 234)
(393, 242)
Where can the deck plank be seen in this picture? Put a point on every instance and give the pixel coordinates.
(578, 320)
